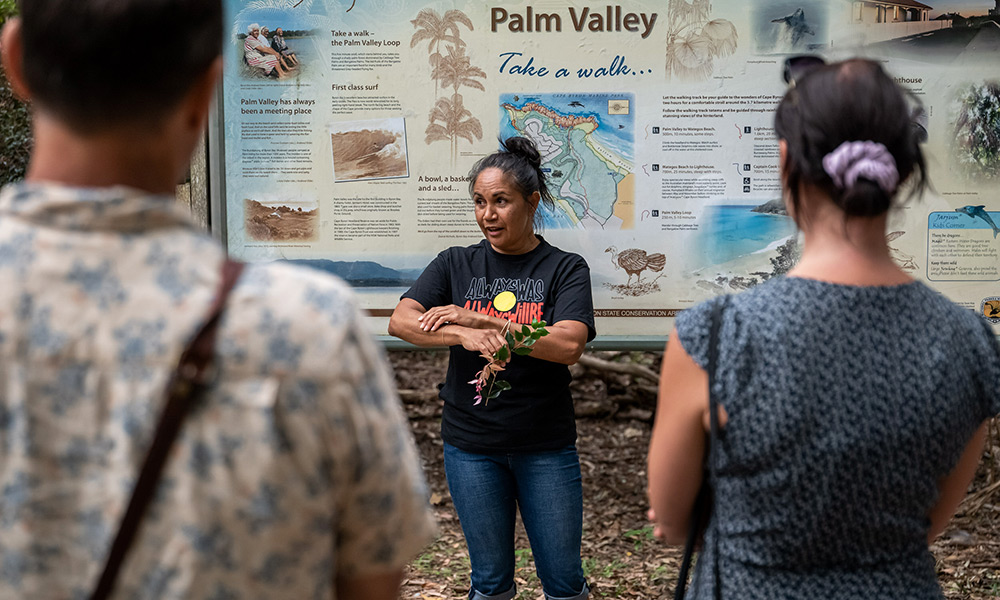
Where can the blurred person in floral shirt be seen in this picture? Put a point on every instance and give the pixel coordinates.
(296, 476)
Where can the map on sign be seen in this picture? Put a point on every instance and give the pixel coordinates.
(586, 142)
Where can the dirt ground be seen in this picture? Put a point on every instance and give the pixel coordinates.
(621, 559)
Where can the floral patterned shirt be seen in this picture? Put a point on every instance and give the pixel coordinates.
(297, 467)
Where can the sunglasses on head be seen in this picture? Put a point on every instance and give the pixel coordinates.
(797, 66)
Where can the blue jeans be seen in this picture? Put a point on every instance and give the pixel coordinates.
(546, 487)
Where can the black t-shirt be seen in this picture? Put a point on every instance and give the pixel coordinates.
(550, 285)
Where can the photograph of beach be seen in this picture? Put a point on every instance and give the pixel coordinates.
(742, 245)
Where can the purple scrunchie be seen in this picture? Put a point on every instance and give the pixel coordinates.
(870, 160)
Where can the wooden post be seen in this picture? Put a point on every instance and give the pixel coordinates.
(193, 193)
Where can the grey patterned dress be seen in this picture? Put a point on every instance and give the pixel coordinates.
(846, 406)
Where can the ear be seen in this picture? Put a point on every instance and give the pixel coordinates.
(786, 196)
(783, 162)
(534, 199)
(199, 98)
(12, 53)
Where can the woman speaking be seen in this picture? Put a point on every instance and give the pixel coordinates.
(516, 451)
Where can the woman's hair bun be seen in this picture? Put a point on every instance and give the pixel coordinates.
(521, 163)
(863, 199)
(523, 147)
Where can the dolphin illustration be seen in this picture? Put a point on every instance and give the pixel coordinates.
(980, 211)
(796, 23)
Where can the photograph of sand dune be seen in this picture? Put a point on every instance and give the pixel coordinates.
(280, 220)
(370, 149)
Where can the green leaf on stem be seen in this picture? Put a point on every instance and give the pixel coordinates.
(517, 342)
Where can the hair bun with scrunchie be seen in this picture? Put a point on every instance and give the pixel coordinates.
(852, 162)
(867, 159)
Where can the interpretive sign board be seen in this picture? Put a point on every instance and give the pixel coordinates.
(654, 119)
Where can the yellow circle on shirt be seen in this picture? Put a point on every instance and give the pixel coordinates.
(504, 301)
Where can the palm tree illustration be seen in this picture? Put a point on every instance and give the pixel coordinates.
(450, 120)
(439, 30)
(450, 68)
(455, 70)
(694, 41)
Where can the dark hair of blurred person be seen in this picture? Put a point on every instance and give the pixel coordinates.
(813, 120)
(102, 63)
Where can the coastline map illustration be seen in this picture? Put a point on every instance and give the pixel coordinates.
(587, 146)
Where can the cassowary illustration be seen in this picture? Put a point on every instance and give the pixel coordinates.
(634, 261)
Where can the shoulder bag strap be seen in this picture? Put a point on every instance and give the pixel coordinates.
(713, 420)
(187, 382)
(703, 502)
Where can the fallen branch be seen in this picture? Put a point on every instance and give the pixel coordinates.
(418, 396)
(594, 409)
(599, 364)
(975, 501)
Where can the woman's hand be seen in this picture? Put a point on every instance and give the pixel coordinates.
(471, 330)
(483, 341)
(435, 317)
(657, 532)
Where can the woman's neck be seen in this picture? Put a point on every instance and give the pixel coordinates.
(851, 250)
(526, 246)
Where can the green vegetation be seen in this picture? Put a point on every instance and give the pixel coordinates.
(977, 129)
(8, 8)
(788, 255)
(640, 537)
(15, 122)
(593, 568)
